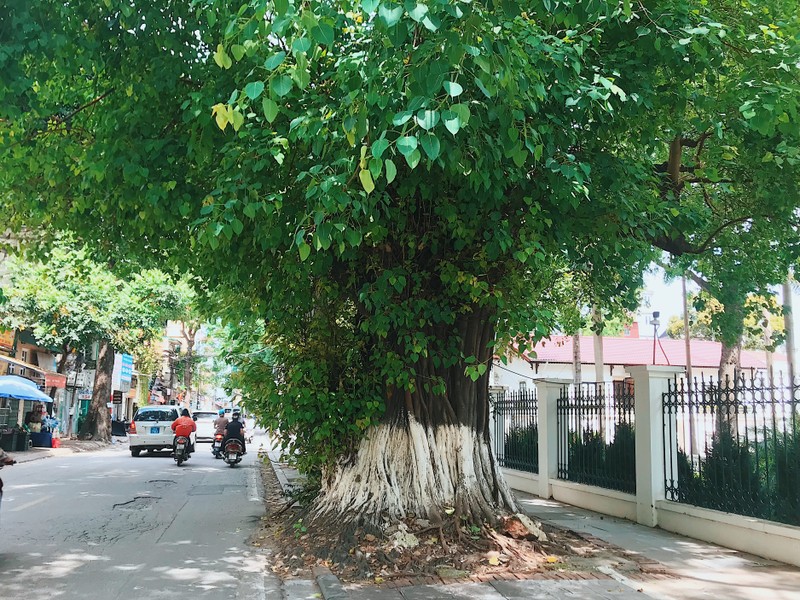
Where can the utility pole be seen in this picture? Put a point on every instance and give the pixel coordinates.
(689, 377)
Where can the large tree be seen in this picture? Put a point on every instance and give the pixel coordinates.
(386, 192)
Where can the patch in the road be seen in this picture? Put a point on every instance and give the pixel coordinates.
(138, 503)
(215, 490)
(162, 483)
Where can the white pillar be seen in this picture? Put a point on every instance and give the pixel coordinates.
(650, 383)
(547, 394)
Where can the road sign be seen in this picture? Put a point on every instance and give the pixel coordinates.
(116, 397)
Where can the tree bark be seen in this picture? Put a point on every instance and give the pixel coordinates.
(431, 455)
(97, 425)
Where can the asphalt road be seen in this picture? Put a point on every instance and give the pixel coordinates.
(107, 525)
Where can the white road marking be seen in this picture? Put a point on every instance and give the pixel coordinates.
(31, 503)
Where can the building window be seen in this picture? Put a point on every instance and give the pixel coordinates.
(24, 358)
(11, 369)
(523, 386)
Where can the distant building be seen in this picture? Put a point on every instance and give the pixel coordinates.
(551, 358)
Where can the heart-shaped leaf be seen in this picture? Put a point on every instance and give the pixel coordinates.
(271, 109)
(379, 147)
(390, 13)
(427, 119)
(254, 89)
(281, 85)
(402, 117)
(452, 88)
(452, 121)
(431, 146)
(323, 33)
(406, 145)
(416, 10)
(462, 110)
(274, 61)
(413, 158)
(305, 251)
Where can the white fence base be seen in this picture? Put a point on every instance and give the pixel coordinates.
(747, 534)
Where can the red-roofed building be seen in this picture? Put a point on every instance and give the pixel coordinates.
(552, 358)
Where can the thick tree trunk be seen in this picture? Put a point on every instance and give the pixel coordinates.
(97, 425)
(431, 456)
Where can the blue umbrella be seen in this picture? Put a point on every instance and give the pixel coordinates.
(19, 388)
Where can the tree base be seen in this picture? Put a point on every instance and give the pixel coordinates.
(403, 471)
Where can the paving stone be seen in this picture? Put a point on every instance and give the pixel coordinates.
(301, 589)
(552, 590)
(368, 592)
(454, 591)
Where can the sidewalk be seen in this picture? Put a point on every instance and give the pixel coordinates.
(664, 566)
(68, 447)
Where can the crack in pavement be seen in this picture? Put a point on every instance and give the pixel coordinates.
(138, 503)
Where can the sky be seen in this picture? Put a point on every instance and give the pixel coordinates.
(666, 298)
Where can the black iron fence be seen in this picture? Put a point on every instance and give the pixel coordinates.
(734, 447)
(516, 430)
(596, 436)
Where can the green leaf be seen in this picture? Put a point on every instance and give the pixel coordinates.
(413, 158)
(462, 110)
(281, 85)
(406, 145)
(452, 121)
(431, 146)
(281, 6)
(416, 10)
(390, 13)
(452, 88)
(238, 52)
(323, 33)
(237, 119)
(238, 226)
(402, 117)
(274, 61)
(366, 180)
(305, 251)
(482, 87)
(301, 45)
(353, 237)
(391, 170)
(221, 58)
(270, 108)
(250, 210)
(427, 119)
(254, 89)
(379, 147)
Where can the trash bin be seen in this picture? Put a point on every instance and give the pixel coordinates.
(8, 440)
(23, 441)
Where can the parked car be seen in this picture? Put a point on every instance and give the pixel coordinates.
(151, 428)
(205, 425)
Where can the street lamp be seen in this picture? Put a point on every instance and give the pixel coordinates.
(655, 323)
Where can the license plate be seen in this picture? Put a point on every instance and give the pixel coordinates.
(155, 430)
(180, 446)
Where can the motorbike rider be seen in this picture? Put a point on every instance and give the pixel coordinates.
(235, 430)
(184, 426)
(221, 422)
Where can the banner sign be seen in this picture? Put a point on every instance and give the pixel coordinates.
(55, 380)
(127, 368)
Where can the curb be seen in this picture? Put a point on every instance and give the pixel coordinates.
(329, 584)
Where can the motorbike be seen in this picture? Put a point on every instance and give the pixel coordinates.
(1, 481)
(216, 446)
(181, 449)
(233, 452)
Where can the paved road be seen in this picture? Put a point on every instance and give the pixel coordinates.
(107, 525)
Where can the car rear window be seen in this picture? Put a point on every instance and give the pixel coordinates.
(205, 415)
(159, 414)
